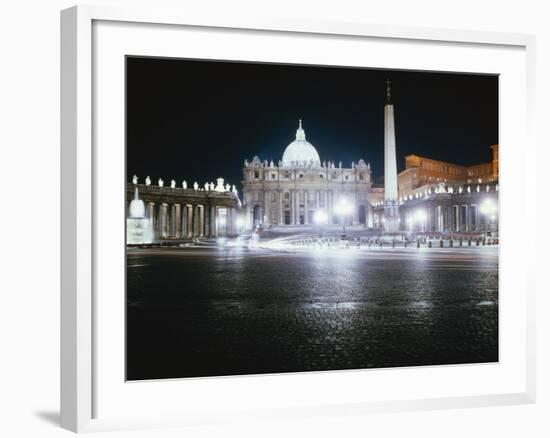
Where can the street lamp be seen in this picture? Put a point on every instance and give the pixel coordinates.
(488, 208)
(320, 218)
(240, 224)
(343, 208)
(419, 218)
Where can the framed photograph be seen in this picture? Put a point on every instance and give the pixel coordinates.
(257, 208)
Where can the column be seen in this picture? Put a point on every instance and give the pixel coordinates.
(177, 221)
(201, 220)
(457, 217)
(265, 219)
(281, 216)
(172, 228)
(167, 220)
(439, 218)
(306, 207)
(292, 222)
(195, 221)
(162, 221)
(302, 196)
(151, 216)
(213, 225)
(206, 220)
(185, 221)
(295, 207)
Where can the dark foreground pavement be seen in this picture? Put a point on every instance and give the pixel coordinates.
(210, 311)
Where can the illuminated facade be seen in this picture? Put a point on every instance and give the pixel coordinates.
(421, 171)
(173, 213)
(290, 192)
(440, 197)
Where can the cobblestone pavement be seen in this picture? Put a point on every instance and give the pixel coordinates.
(212, 311)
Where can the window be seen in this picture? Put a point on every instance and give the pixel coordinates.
(362, 177)
(273, 176)
(287, 195)
(256, 174)
(346, 177)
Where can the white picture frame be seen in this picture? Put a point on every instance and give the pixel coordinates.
(81, 373)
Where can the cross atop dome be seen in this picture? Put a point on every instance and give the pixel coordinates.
(300, 152)
(300, 133)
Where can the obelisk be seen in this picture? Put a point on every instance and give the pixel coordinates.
(391, 206)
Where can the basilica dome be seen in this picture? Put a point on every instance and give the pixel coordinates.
(300, 152)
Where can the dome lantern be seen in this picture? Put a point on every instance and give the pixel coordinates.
(300, 152)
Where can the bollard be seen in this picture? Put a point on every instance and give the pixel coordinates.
(460, 242)
(393, 243)
(441, 243)
(484, 242)
(418, 243)
(470, 241)
(405, 243)
(451, 243)
(429, 244)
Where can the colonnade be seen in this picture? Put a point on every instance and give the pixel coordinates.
(448, 218)
(181, 220)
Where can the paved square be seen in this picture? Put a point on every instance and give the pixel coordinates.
(209, 311)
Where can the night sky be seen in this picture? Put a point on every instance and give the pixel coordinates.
(198, 120)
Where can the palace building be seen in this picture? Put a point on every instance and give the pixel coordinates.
(300, 184)
(421, 171)
(437, 196)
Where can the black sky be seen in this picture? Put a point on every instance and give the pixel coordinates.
(198, 120)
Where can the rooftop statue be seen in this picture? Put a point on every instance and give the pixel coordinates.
(135, 179)
(147, 181)
(161, 182)
(184, 184)
(173, 184)
(196, 185)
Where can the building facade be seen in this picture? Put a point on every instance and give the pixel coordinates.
(290, 192)
(440, 197)
(182, 212)
(421, 171)
(458, 208)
